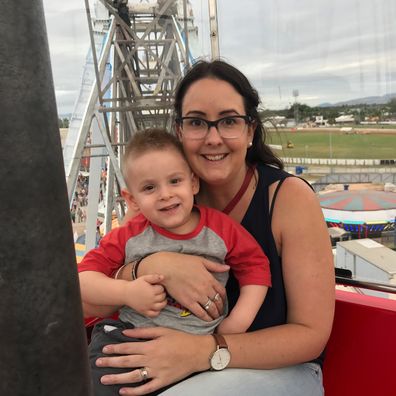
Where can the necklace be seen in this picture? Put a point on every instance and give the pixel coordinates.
(237, 197)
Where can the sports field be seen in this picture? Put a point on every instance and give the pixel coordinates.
(333, 143)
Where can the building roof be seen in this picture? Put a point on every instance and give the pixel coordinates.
(337, 232)
(373, 252)
(359, 206)
(358, 200)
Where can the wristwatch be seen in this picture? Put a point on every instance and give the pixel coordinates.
(221, 357)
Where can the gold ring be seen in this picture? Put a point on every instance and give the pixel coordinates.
(208, 304)
(216, 297)
(143, 373)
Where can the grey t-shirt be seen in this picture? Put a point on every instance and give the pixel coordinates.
(207, 244)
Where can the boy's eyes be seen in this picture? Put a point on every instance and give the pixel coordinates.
(149, 187)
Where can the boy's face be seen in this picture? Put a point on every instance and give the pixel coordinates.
(162, 187)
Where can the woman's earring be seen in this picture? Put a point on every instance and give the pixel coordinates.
(250, 144)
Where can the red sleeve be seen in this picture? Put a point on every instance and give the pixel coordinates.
(245, 256)
(110, 254)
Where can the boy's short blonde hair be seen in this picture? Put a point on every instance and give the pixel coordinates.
(148, 140)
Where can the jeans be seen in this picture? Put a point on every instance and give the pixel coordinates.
(300, 380)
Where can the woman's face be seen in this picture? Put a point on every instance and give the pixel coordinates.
(215, 160)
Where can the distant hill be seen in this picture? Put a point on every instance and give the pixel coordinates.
(358, 101)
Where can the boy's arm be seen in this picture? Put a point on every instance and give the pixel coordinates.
(250, 299)
(98, 289)
(145, 294)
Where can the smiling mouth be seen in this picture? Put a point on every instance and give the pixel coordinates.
(217, 157)
(174, 206)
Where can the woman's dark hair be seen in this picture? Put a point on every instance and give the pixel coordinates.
(259, 152)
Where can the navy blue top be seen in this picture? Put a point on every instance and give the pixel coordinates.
(257, 221)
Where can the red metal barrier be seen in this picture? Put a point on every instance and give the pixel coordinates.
(361, 353)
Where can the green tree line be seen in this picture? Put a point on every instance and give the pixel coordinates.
(380, 112)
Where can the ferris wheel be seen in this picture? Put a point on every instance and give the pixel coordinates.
(139, 51)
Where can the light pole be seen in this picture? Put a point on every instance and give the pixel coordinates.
(295, 94)
(331, 150)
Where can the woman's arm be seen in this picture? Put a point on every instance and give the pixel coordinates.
(302, 239)
(187, 279)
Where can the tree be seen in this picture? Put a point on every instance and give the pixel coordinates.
(304, 111)
(392, 106)
(63, 123)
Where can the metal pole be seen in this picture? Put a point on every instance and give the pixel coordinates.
(394, 233)
(331, 150)
(186, 33)
(42, 337)
(214, 29)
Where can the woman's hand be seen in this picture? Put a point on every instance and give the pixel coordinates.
(168, 356)
(188, 280)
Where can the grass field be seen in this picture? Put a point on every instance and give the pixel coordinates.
(322, 143)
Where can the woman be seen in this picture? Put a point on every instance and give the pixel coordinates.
(281, 353)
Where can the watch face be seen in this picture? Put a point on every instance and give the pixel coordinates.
(220, 359)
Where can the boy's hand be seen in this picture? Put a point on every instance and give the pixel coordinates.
(146, 295)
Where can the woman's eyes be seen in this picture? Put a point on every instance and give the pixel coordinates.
(196, 122)
(229, 121)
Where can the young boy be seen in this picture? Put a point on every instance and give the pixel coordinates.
(162, 186)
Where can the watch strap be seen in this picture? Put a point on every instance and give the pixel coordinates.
(220, 341)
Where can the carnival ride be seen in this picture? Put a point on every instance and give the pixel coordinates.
(138, 53)
(363, 213)
(42, 339)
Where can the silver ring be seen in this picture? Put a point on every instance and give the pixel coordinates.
(208, 304)
(216, 297)
(143, 373)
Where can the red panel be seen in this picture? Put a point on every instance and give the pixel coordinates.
(361, 353)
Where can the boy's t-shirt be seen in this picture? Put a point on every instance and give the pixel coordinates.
(217, 237)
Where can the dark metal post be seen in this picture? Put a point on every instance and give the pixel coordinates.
(42, 338)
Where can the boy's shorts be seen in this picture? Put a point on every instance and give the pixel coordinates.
(109, 331)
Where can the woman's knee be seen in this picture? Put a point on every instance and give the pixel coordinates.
(299, 380)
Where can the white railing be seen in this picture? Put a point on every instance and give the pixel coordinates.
(338, 161)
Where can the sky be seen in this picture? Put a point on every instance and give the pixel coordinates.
(323, 51)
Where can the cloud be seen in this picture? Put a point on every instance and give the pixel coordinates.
(329, 50)
(69, 43)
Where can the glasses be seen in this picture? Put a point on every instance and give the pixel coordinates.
(230, 127)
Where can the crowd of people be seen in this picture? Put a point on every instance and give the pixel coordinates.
(80, 200)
